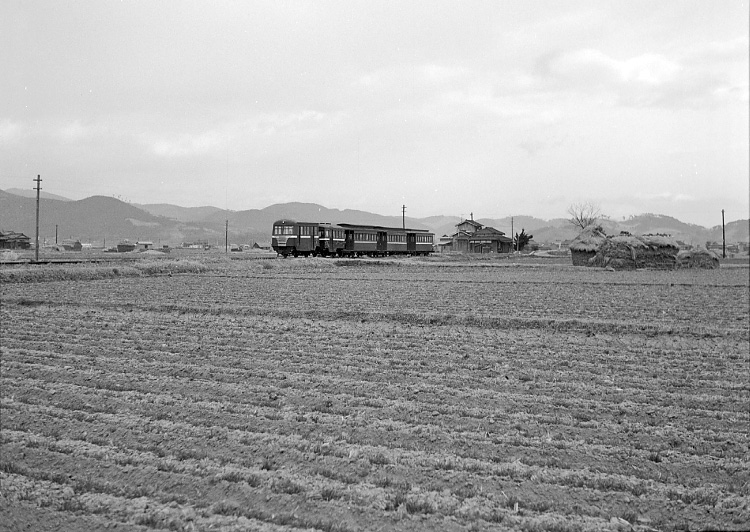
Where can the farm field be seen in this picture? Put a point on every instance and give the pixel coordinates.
(346, 395)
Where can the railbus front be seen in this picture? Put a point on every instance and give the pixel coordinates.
(290, 237)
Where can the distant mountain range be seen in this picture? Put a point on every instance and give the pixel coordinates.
(30, 193)
(105, 220)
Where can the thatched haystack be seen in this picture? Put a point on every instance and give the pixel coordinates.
(583, 247)
(697, 258)
(628, 252)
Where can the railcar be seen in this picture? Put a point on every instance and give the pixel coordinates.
(294, 238)
(375, 240)
(332, 240)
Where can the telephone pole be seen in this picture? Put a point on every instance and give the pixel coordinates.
(38, 188)
(723, 237)
(403, 217)
(226, 238)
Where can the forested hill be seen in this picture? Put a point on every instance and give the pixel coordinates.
(100, 219)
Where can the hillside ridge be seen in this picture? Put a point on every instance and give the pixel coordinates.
(104, 219)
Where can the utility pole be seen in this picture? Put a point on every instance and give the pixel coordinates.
(403, 217)
(55, 234)
(38, 188)
(723, 237)
(512, 237)
(226, 238)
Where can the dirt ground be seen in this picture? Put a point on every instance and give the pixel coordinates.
(377, 395)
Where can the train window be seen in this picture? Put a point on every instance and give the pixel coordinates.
(283, 230)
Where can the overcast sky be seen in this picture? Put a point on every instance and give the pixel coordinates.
(497, 108)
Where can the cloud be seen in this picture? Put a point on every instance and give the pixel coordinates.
(187, 144)
(671, 197)
(11, 132)
(650, 69)
(75, 132)
(651, 79)
(735, 49)
(437, 74)
(278, 123)
(588, 68)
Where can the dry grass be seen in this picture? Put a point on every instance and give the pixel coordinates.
(88, 272)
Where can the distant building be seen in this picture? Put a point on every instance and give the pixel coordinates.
(473, 237)
(199, 244)
(125, 246)
(13, 240)
(489, 240)
(72, 245)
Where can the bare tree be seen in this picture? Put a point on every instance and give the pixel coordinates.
(584, 214)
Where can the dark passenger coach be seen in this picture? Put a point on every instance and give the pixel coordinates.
(290, 237)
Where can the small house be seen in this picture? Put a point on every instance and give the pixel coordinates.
(489, 240)
(473, 237)
(13, 240)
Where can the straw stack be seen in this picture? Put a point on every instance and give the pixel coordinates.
(583, 247)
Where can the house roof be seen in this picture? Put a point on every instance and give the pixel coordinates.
(12, 235)
(490, 233)
(471, 222)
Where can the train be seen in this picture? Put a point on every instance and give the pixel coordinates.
(290, 237)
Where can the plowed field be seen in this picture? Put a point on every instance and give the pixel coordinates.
(377, 395)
